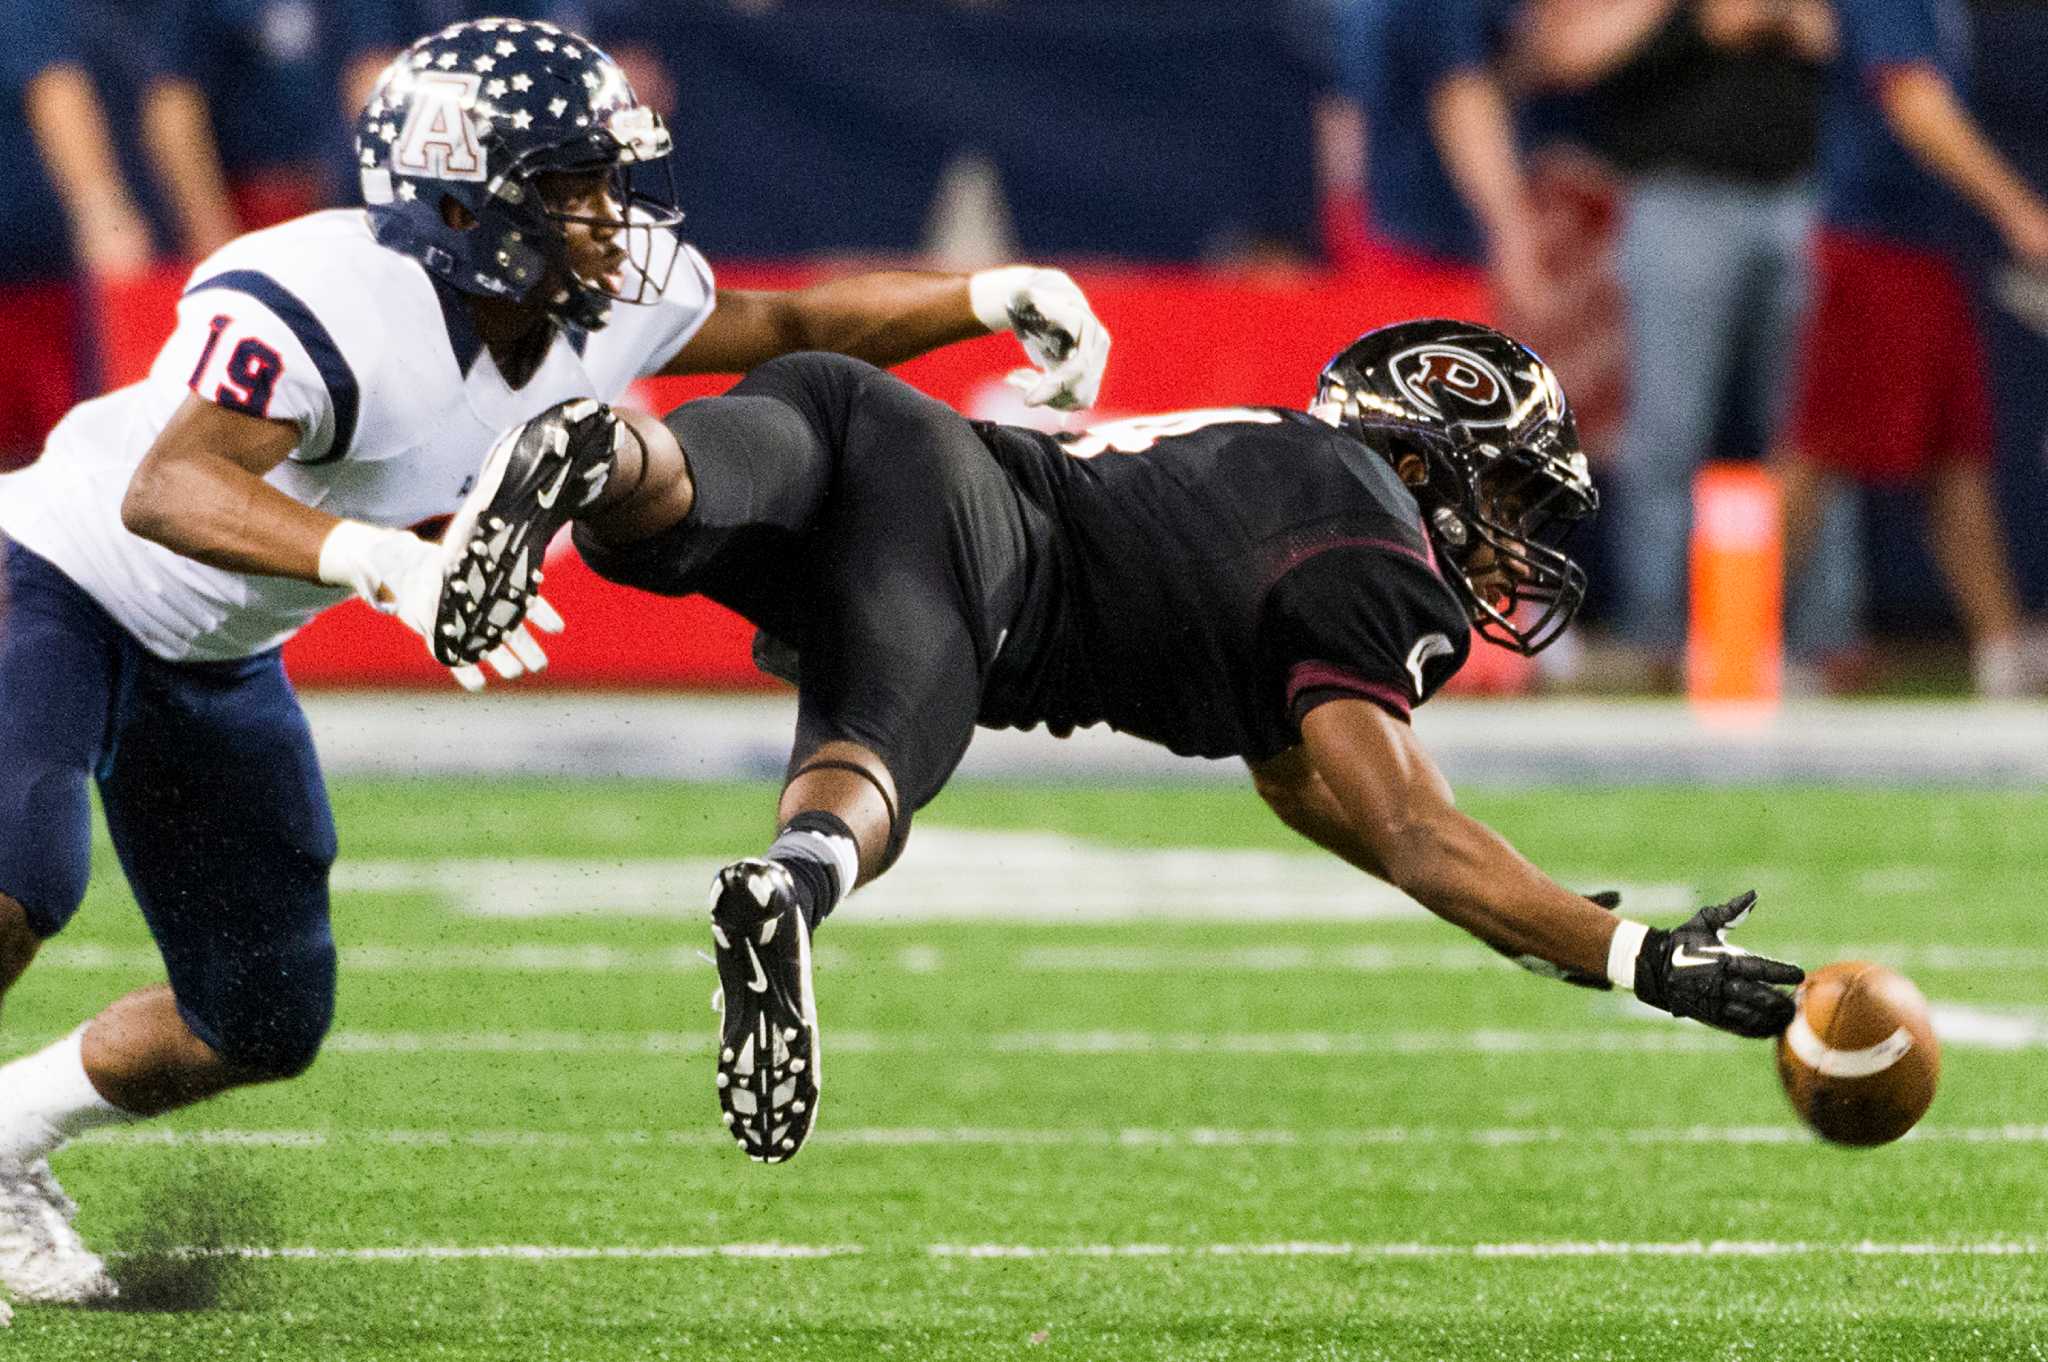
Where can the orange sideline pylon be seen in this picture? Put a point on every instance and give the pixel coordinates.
(1734, 654)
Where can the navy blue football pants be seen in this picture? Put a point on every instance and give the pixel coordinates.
(212, 795)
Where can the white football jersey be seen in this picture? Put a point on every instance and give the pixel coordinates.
(395, 397)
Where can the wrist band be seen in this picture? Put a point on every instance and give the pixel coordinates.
(344, 549)
(989, 293)
(1622, 950)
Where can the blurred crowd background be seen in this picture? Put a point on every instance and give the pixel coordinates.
(1804, 231)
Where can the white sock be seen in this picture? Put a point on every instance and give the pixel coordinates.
(1998, 667)
(46, 1098)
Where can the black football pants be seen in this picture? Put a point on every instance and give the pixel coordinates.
(866, 525)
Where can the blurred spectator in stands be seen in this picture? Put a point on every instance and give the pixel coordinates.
(1710, 108)
(1892, 389)
(120, 172)
(1338, 129)
(136, 58)
(1444, 182)
(267, 70)
(66, 206)
(2009, 72)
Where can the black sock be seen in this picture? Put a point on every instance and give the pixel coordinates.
(820, 854)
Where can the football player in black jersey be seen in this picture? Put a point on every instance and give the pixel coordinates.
(1276, 585)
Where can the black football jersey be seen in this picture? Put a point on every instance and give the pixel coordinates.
(1209, 576)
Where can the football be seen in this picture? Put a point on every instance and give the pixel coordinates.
(1859, 1061)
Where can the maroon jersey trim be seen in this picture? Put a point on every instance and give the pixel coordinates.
(1307, 676)
(1426, 555)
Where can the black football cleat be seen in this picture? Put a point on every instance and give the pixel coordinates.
(533, 481)
(768, 1039)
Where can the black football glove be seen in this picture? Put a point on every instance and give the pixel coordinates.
(1692, 971)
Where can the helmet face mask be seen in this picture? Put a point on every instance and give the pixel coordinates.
(1521, 585)
(1478, 427)
(634, 218)
(484, 114)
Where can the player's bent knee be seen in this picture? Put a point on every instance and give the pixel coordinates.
(824, 362)
(274, 1031)
(283, 1049)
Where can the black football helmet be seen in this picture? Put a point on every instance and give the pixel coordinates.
(1506, 479)
(478, 113)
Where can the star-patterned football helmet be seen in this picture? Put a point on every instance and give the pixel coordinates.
(478, 113)
(1504, 481)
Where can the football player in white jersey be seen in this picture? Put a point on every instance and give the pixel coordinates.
(333, 384)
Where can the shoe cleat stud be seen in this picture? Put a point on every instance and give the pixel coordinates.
(724, 1081)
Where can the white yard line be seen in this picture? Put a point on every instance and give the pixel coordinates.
(1647, 1040)
(1554, 741)
(921, 958)
(957, 875)
(408, 1253)
(1597, 1248)
(1532, 1249)
(1961, 1028)
(1461, 958)
(1128, 1137)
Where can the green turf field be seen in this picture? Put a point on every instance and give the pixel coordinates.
(1091, 1139)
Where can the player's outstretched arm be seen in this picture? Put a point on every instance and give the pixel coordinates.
(1369, 791)
(888, 316)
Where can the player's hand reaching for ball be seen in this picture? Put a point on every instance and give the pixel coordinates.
(1059, 331)
(1692, 971)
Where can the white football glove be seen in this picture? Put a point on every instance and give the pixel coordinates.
(399, 574)
(1058, 330)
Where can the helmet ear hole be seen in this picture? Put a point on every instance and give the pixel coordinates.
(456, 214)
